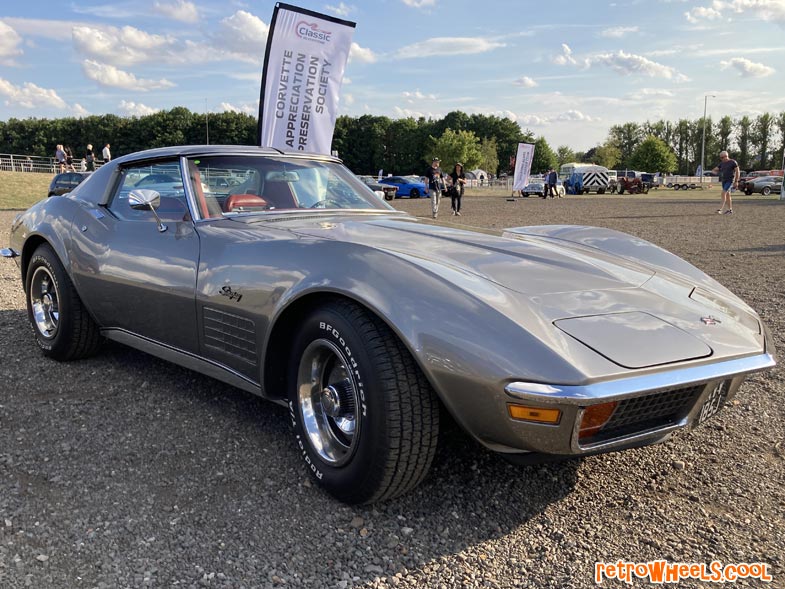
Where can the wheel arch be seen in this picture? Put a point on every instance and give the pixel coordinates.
(31, 244)
(283, 332)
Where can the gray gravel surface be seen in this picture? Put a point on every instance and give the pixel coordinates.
(126, 471)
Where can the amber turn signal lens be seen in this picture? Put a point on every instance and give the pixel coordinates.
(595, 417)
(535, 414)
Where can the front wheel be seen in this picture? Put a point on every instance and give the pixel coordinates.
(365, 418)
(62, 327)
(766, 191)
(414, 193)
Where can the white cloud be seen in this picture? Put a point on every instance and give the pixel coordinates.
(701, 13)
(347, 99)
(111, 77)
(340, 10)
(419, 3)
(181, 10)
(58, 30)
(628, 64)
(447, 46)
(652, 92)
(565, 57)
(136, 109)
(574, 115)
(249, 109)
(407, 113)
(126, 46)
(243, 33)
(361, 54)
(531, 121)
(526, 82)
(618, 32)
(79, 110)
(749, 69)
(411, 97)
(769, 10)
(30, 96)
(9, 43)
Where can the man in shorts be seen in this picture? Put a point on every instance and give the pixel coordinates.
(728, 170)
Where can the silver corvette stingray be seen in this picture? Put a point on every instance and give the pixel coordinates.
(283, 275)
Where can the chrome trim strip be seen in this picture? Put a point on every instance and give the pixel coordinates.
(190, 196)
(184, 359)
(622, 388)
(9, 252)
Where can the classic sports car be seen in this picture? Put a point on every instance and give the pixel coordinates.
(289, 279)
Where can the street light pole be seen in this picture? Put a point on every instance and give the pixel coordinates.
(703, 140)
(207, 121)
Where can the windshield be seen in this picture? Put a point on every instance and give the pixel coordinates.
(229, 185)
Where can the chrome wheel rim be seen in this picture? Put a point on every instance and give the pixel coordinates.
(329, 402)
(45, 302)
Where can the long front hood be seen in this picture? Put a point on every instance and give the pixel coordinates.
(528, 267)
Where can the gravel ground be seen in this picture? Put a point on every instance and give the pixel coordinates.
(125, 471)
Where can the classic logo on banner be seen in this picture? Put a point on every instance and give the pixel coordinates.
(301, 81)
(523, 165)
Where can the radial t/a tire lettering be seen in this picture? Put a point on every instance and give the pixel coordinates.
(365, 418)
(62, 327)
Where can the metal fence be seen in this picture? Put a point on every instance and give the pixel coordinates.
(10, 162)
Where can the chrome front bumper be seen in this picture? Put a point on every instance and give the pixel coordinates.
(563, 438)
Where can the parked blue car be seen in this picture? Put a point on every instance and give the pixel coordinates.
(406, 186)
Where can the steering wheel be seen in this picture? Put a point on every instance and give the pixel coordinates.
(321, 204)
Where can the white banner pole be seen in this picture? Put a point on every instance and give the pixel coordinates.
(301, 80)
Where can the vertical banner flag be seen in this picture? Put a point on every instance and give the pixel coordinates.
(301, 80)
(523, 165)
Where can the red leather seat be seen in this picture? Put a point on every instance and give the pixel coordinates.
(239, 202)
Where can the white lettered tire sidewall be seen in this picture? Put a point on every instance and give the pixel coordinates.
(355, 479)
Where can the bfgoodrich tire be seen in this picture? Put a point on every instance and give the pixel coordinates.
(365, 418)
(62, 327)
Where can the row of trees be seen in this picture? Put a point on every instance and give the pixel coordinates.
(755, 142)
(403, 146)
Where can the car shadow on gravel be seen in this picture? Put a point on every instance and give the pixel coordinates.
(146, 443)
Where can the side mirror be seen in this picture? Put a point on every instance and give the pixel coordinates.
(142, 199)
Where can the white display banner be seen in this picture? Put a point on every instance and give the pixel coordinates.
(523, 166)
(301, 81)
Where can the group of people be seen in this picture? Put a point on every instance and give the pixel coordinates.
(64, 158)
(438, 186)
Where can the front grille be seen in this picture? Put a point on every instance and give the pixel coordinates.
(656, 410)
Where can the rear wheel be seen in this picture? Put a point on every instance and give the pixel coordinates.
(414, 193)
(364, 416)
(62, 327)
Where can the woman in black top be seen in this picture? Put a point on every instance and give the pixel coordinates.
(458, 180)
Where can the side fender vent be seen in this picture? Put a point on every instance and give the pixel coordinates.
(230, 334)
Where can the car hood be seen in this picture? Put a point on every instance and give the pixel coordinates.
(530, 267)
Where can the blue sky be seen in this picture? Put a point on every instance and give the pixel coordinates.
(566, 70)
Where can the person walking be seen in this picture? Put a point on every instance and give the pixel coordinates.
(89, 157)
(69, 160)
(456, 190)
(60, 158)
(435, 185)
(107, 155)
(729, 172)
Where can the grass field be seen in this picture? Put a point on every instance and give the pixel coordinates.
(19, 190)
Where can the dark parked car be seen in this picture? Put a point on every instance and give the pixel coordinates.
(407, 186)
(65, 182)
(764, 185)
(388, 190)
(294, 282)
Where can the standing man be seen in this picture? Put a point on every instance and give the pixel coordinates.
(435, 184)
(728, 170)
(107, 155)
(553, 178)
(89, 157)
